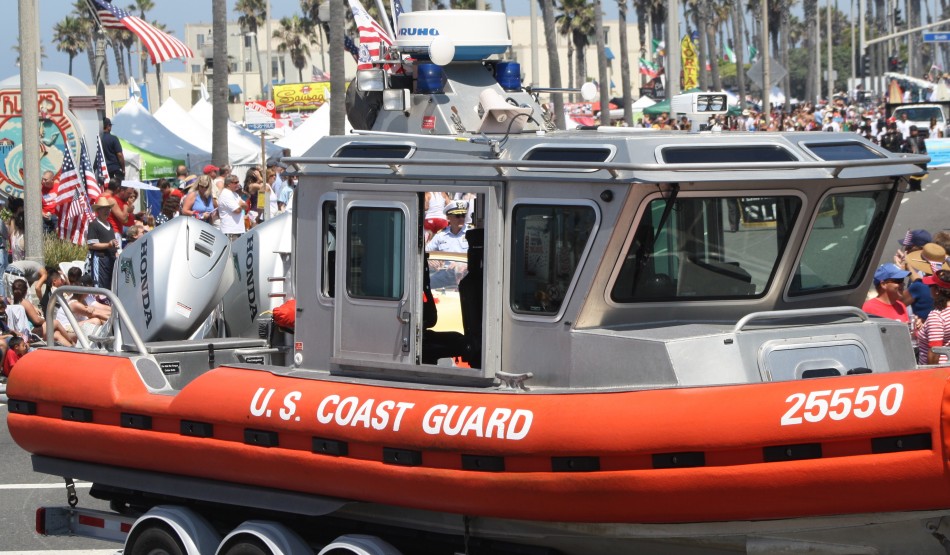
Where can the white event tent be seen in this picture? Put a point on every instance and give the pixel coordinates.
(310, 131)
(179, 122)
(136, 126)
(244, 147)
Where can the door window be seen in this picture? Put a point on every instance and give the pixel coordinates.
(375, 253)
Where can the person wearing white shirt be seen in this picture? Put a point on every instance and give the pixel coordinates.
(231, 208)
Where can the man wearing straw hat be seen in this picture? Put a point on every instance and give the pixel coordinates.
(102, 244)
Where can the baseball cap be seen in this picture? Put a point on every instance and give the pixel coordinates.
(889, 271)
(916, 238)
(210, 168)
(935, 280)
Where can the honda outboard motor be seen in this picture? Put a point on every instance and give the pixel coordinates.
(262, 263)
(171, 279)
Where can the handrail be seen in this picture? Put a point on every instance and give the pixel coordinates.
(835, 166)
(799, 313)
(59, 297)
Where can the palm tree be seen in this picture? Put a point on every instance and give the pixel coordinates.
(554, 64)
(251, 20)
(811, 9)
(577, 22)
(70, 38)
(625, 64)
(293, 41)
(117, 47)
(739, 48)
(219, 82)
(564, 28)
(601, 63)
(337, 79)
(87, 26)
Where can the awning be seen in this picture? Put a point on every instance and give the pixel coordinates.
(154, 166)
(234, 90)
(608, 53)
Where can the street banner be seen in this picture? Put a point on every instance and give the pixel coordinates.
(300, 96)
(690, 64)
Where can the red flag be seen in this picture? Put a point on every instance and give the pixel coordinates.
(73, 204)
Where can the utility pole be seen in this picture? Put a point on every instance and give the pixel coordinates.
(534, 43)
(817, 53)
(29, 99)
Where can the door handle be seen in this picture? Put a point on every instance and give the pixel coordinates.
(404, 315)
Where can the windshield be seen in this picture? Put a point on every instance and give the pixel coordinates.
(709, 248)
(922, 113)
(841, 242)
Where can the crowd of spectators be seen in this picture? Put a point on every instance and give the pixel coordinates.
(915, 289)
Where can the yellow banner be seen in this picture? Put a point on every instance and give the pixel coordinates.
(690, 64)
(300, 96)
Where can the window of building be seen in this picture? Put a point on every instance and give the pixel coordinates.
(234, 67)
(248, 66)
(549, 242)
(375, 253)
(200, 39)
(195, 68)
(247, 41)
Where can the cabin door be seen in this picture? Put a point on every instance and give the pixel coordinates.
(379, 267)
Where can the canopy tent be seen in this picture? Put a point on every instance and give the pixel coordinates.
(179, 122)
(244, 147)
(134, 125)
(309, 132)
(151, 165)
(643, 102)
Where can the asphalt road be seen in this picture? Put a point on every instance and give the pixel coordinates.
(22, 490)
(929, 209)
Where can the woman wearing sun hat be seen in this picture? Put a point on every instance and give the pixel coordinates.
(102, 244)
(936, 331)
(921, 263)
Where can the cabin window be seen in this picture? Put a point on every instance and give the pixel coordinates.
(841, 243)
(548, 244)
(705, 248)
(328, 231)
(375, 253)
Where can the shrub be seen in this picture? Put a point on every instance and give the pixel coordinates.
(56, 250)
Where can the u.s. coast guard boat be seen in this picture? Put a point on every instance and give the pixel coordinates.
(659, 349)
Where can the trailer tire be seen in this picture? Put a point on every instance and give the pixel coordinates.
(245, 545)
(156, 539)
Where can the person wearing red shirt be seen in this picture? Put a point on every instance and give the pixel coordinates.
(121, 214)
(889, 281)
(50, 189)
(17, 348)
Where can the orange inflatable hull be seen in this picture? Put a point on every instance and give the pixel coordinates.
(855, 444)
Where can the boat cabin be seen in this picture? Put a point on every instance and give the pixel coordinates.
(599, 258)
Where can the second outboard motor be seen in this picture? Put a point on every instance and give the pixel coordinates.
(263, 277)
(171, 279)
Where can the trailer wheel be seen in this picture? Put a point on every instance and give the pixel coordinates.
(245, 545)
(156, 539)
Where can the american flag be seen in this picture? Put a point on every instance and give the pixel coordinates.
(160, 45)
(318, 74)
(102, 173)
(351, 47)
(397, 11)
(89, 174)
(73, 204)
(372, 36)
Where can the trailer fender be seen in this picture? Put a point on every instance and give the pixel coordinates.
(196, 534)
(359, 544)
(279, 539)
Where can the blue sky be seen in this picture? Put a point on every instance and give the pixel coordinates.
(173, 13)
